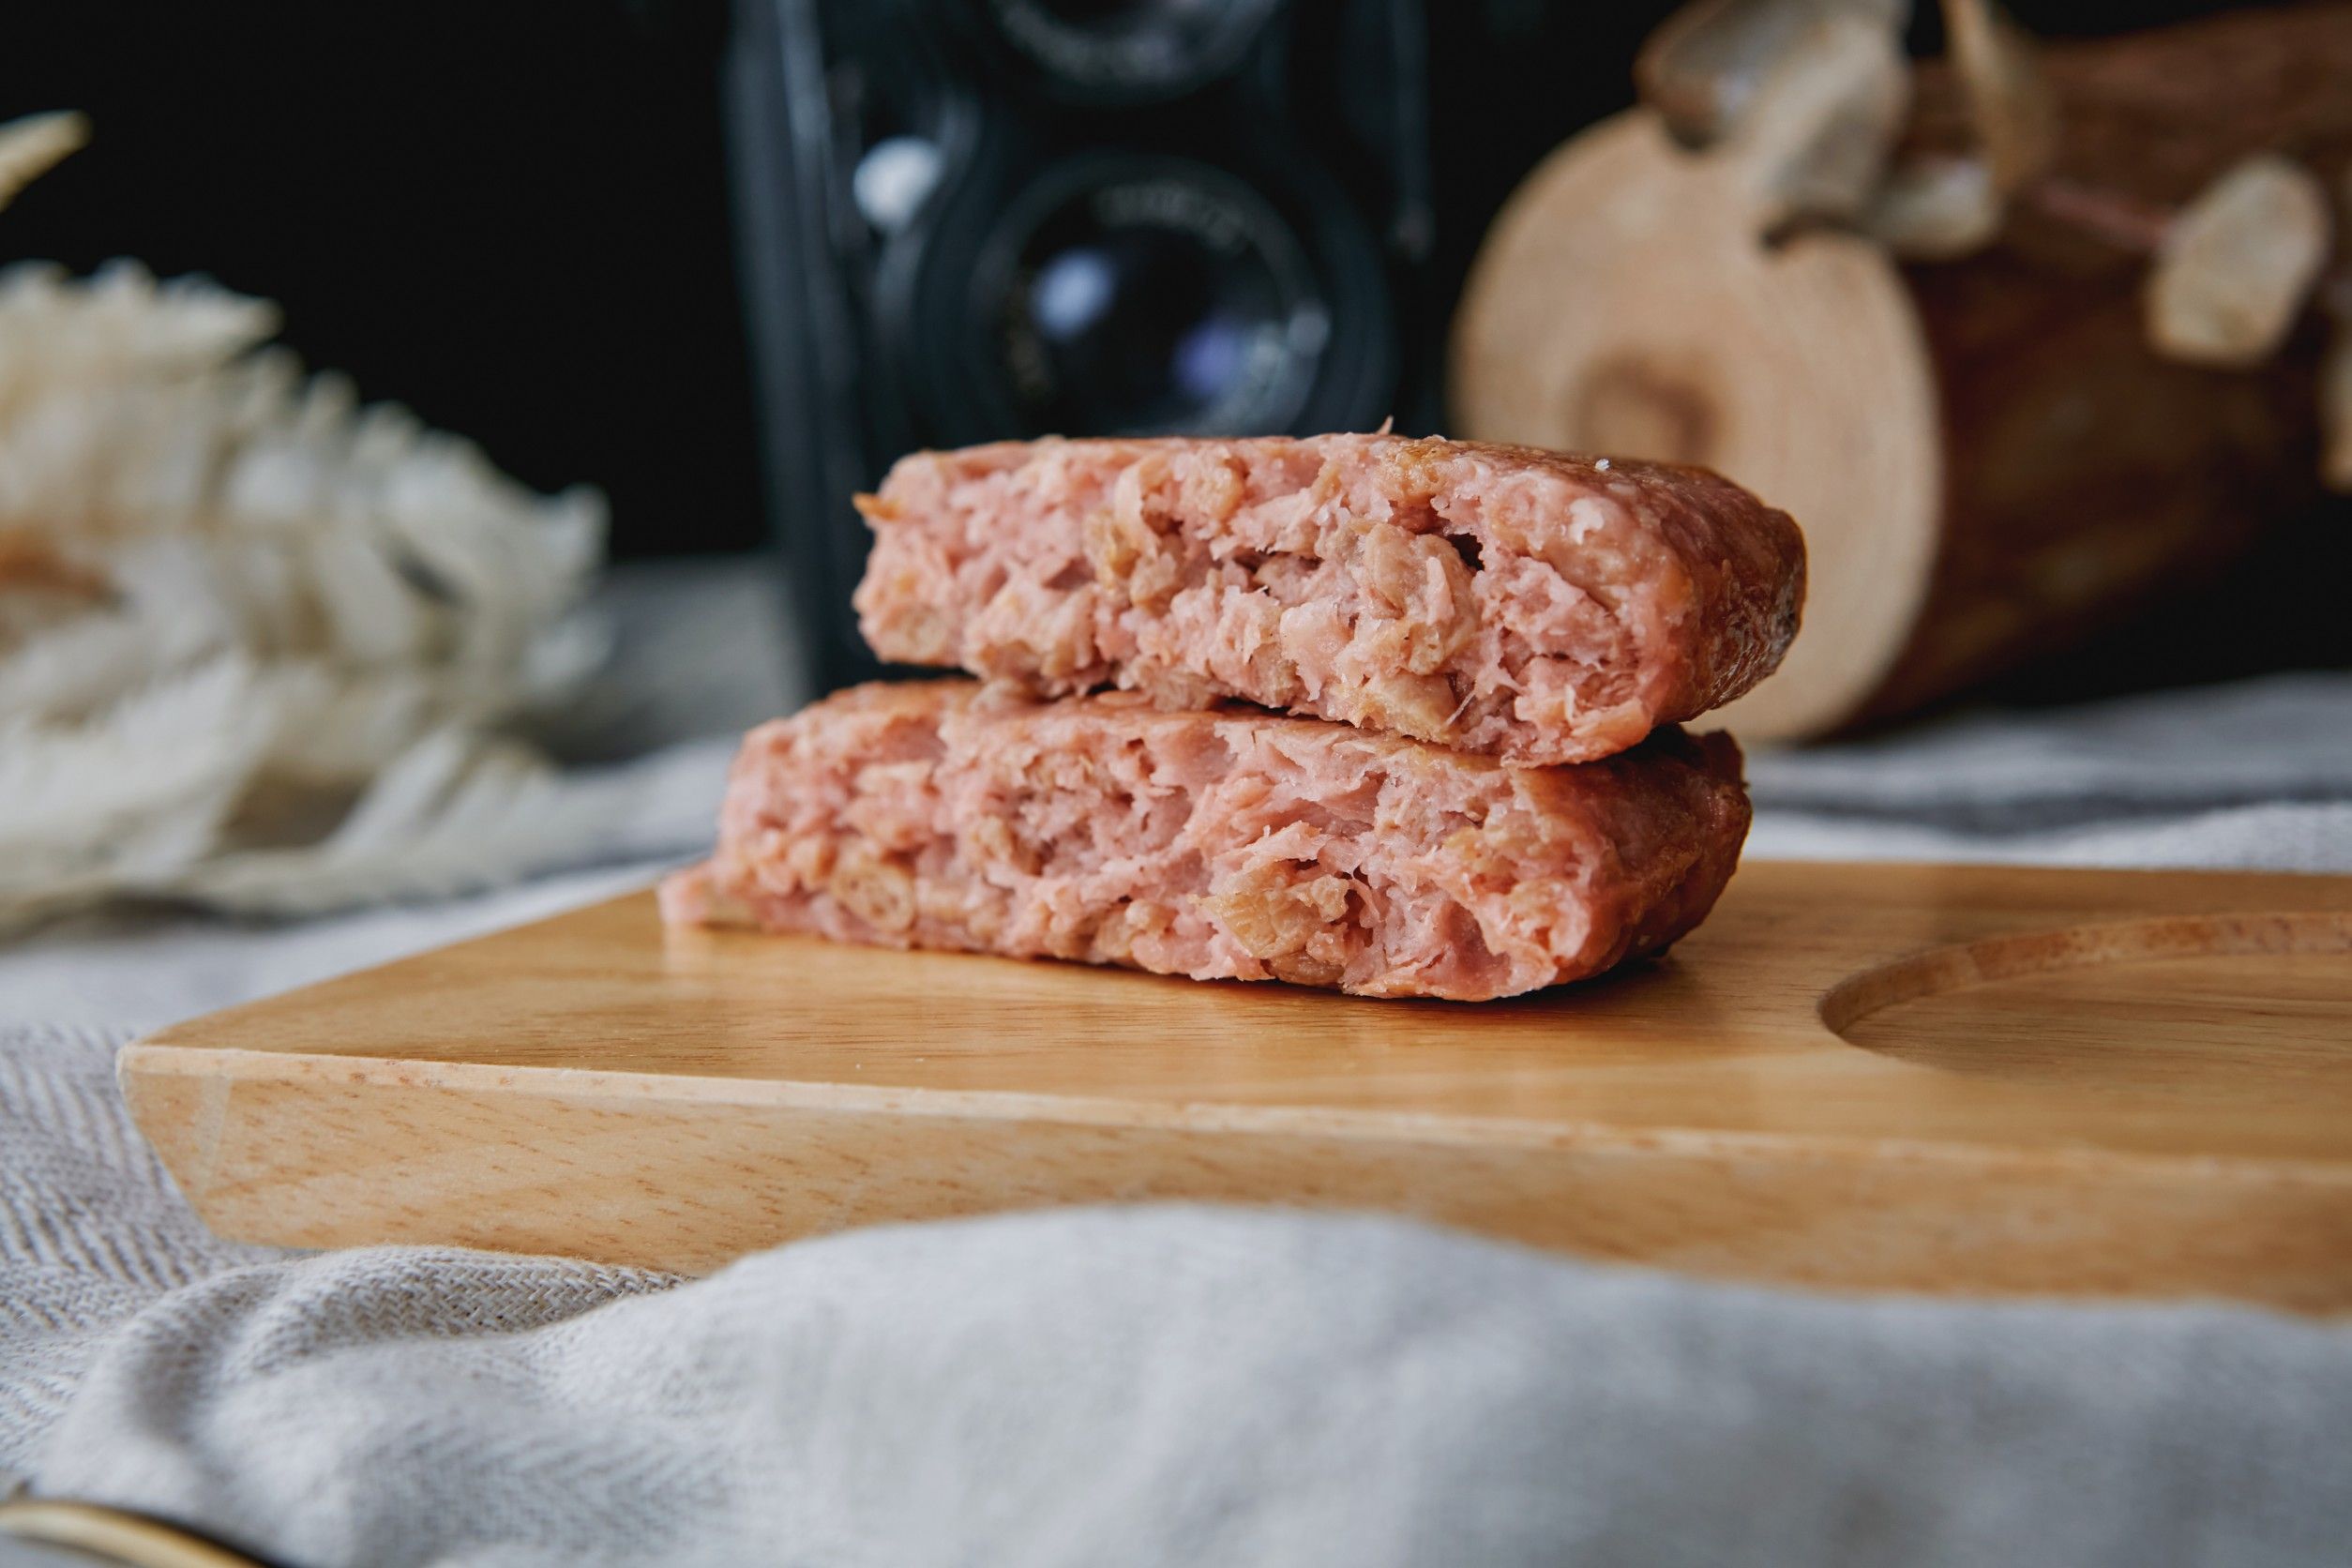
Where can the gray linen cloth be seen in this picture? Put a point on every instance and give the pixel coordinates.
(1164, 1385)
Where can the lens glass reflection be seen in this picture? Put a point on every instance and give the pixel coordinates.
(1153, 308)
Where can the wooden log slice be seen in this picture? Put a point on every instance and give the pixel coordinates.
(1625, 304)
(1988, 458)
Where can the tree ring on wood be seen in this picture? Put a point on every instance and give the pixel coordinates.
(1623, 304)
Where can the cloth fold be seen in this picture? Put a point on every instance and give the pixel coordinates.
(2256, 776)
(1177, 1386)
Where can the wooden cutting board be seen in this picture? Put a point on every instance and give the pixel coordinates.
(1919, 1078)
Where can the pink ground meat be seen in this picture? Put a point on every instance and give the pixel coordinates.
(1234, 844)
(1526, 604)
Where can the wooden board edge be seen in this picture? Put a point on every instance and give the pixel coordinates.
(145, 1059)
(688, 1185)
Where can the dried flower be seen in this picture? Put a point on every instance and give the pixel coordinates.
(241, 615)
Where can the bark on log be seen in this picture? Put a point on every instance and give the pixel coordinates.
(1987, 457)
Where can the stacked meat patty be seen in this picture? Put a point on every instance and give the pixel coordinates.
(1386, 715)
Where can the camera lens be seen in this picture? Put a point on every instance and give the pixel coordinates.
(1138, 49)
(1158, 300)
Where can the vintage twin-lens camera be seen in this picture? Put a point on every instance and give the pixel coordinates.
(971, 219)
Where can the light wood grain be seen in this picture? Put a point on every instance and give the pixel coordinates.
(1917, 1077)
(1624, 302)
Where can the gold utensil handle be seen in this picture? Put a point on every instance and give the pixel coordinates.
(112, 1535)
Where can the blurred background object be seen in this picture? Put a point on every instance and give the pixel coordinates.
(525, 229)
(965, 220)
(2027, 336)
(258, 643)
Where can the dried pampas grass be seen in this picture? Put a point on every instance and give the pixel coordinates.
(257, 641)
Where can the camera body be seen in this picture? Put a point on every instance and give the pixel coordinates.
(965, 220)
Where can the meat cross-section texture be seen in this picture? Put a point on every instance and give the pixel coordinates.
(1530, 605)
(1234, 844)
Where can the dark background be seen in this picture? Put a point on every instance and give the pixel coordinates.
(514, 218)
(511, 217)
